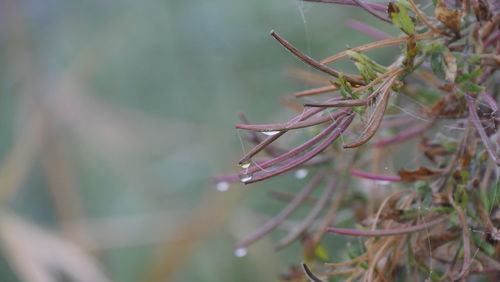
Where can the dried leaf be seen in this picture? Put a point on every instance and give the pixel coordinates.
(432, 150)
(450, 106)
(420, 174)
(481, 9)
(450, 66)
(376, 118)
(411, 51)
(449, 17)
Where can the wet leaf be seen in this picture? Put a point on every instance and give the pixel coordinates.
(420, 174)
(449, 17)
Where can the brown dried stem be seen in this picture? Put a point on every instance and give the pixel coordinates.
(310, 61)
(379, 44)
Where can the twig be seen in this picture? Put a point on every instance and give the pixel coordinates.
(313, 214)
(405, 135)
(423, 18)
(375, 120)
(369, 30)
(289, 209)
(307, 156)
(465, 238)
(480, 129)
(371, 176)
(310, 61)
(289, 126)
(378, 44)
(387, 232)
(310, 275)
(315, 91)
(376, 7)
(371, 11)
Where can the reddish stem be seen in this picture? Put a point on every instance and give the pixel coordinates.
(371, 176)
(368, 30)
(403, 136)
(335, 133)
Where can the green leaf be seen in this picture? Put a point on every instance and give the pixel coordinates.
(483, 245)
(321, 253)
(436, 65)
(366, 72)
(400, 18)
(367, 61)
(345, 87)
(473, 59)
(473, 87)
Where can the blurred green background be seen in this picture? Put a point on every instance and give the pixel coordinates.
(114, 115)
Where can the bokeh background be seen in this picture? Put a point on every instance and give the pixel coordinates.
(114, 115)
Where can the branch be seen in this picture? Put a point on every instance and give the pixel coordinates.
(310, 61)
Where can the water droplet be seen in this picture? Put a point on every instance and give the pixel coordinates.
(240, 252)
(245, 177)
(223, 186)
(301, 173)
(245, 163)
(270, 133)
(383, 182)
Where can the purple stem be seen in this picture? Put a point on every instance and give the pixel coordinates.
(480, 129)
(256, 139)
(396, 122)
(491, 102)
(291, 125)
(290, 208)
(387, 232)
(403, 136)
(307, 156)
(259, 147)
(493, 39)
(372, 11)
(294, 151)
(376, 7)
(313, 214)
(369, 30)
(374, 176)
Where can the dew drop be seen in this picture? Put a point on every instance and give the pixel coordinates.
(301, 173)
(270, 133)
(240, 252)
(245, 163)
(223, 186)
(383, 182)
(245, 177)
